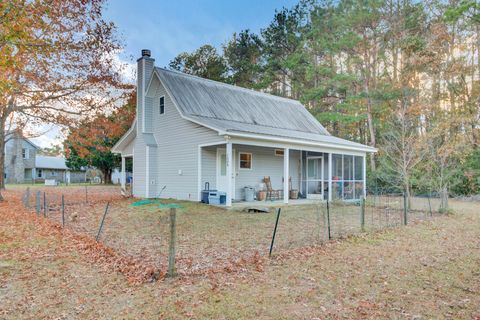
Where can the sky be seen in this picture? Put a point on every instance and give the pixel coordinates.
(168, 28)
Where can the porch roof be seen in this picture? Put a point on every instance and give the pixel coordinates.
(282, 135)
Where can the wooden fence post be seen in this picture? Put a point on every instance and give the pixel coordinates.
(63, 211)
(37, 202)
(86, 195)
(27, 198)
(173, 236)
(405, 208)
(44, 204)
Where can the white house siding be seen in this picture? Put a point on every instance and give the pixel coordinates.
(128, 150)
(148, 114)
(139, 167)
(264, 163)
(177, 153)
(209, 166)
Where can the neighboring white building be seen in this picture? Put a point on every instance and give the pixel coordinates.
(189, 131)
(117, 176)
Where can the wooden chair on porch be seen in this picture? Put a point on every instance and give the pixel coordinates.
(271, 193)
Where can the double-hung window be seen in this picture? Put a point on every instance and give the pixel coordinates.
(162, 105)
(245, 161)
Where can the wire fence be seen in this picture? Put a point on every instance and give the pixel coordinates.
(199, 238)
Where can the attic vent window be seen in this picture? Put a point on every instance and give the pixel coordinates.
(279, 152)
(162, 105)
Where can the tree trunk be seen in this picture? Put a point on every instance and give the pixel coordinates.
(107, 175)
(444, 199)
(2, 157)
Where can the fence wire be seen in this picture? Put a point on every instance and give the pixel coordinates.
(210, 238)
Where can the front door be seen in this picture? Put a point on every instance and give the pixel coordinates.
(222, 171)
(314, 177)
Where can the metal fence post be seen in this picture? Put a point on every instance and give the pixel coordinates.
(405, 208)
(173, 236)
(37, 202)
(101, 223)
(362, 214)
(274, 232)
(86, 195)
(328, 220)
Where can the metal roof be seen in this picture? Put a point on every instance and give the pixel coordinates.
(207, 100)
(47, 162)
(229, 108)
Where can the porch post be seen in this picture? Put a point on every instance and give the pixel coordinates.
(364, 176)
(123, 174)
(330, 191)
(229, 173)
(286, 174)
(199, 173)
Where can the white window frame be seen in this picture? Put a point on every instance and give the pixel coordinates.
(160, 105)
(279, 152)
(25, 153)
(39, 173)
(240, 160)
(54, 173)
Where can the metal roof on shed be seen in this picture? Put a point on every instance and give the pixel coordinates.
(47, 162)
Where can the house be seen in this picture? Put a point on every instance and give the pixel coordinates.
(24, 165)
(55, 168)
(116, 176)
(20, 156)
(189, 131)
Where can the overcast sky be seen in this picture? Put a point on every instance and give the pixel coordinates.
(168, 28)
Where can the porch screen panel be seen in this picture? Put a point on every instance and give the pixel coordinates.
(358, 171)
(348, 177)
(337, 178)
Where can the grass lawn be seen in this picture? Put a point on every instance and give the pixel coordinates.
(428, 269)
(210, 239)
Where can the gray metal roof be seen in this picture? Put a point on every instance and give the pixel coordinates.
(47, 162)
(235, 109)
(210, 100)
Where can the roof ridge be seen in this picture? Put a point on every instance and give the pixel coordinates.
(235, 87)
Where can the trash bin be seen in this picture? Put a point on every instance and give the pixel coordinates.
(206, 192)
(249, 193)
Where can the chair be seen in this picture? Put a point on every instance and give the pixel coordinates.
(271, 194)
